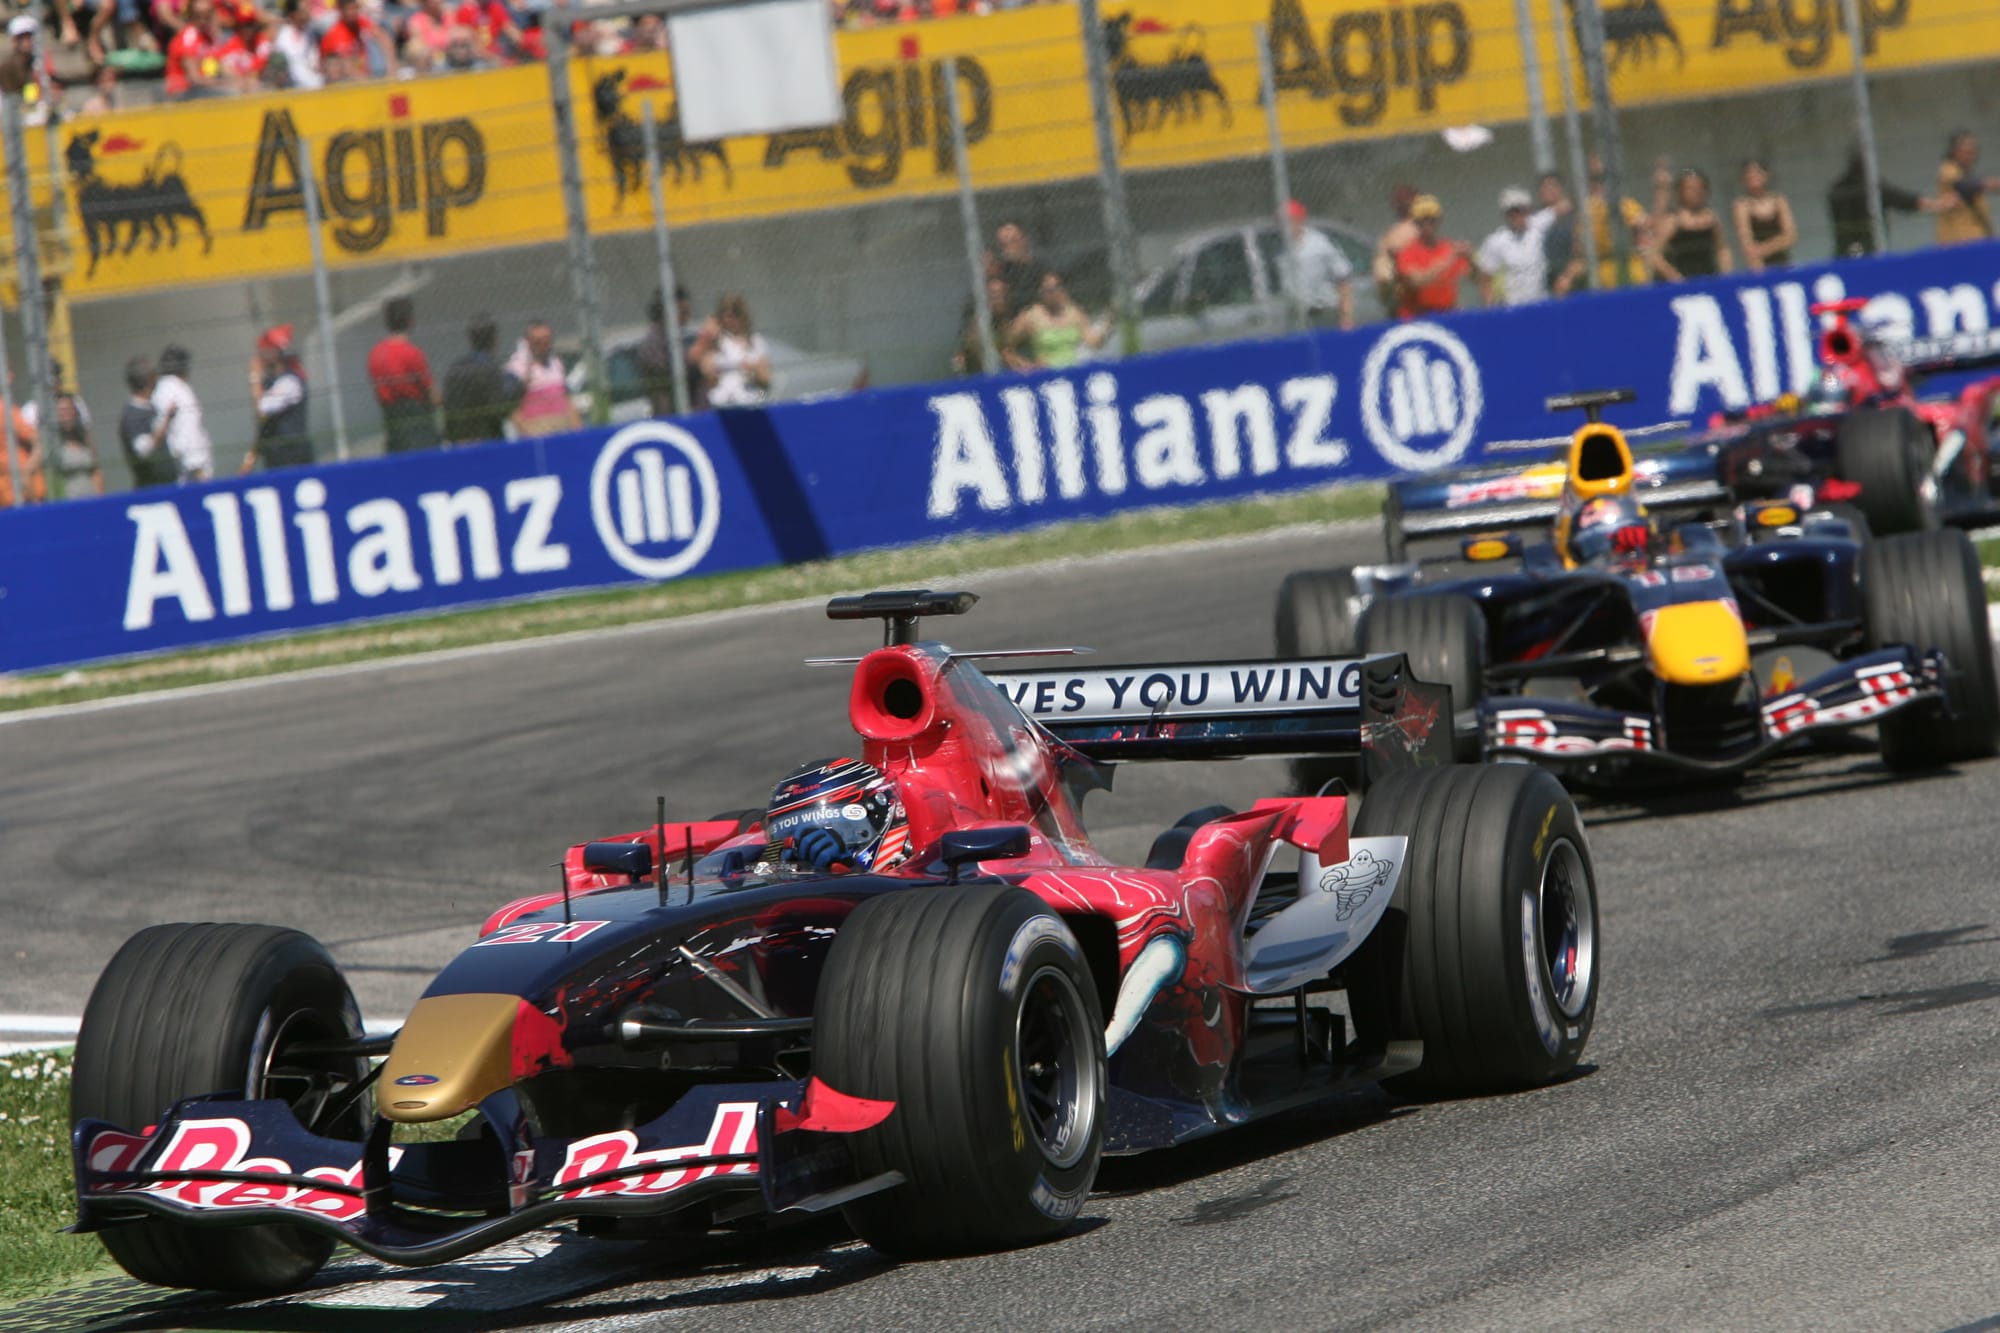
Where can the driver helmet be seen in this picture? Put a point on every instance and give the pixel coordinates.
(1606, 525)
(848, 798)
(1825, 395)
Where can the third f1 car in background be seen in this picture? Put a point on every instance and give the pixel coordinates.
(1618, 643)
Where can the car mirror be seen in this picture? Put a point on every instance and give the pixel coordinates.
(961, 847)
(618, 858)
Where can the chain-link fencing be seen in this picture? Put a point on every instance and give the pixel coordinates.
(863, 252)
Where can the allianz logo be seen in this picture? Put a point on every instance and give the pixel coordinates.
(1767, 344)
(655, 507)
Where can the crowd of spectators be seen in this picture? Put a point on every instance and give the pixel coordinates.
(1536, 252)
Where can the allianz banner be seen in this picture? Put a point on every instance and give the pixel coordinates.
(209, 192)
(159, 569)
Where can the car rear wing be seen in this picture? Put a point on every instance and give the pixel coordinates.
(1497, 499)
(1372, 708)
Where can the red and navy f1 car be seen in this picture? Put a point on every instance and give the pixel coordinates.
(1620, 643)
(909, 989)
(1859, 436)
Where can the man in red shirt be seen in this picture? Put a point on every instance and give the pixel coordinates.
(347, 43)
(401, 375)
(193, 65)
(1429, 269)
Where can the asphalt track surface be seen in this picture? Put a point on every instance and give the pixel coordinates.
(1790, 1115)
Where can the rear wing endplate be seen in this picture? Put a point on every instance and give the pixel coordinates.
(1372, 708)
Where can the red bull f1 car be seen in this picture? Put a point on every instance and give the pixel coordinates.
(1621, 643)
(1859, 438)
(909, 988)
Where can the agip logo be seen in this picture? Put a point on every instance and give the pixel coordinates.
(1420, 397)
(655, 500)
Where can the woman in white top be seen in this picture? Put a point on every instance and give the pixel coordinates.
(738, 364)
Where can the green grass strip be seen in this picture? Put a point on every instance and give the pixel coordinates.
(570, 612)
(37, 1194)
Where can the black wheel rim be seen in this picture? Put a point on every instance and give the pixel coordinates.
(1559, 938)
(318, 1088)
(1056, 1077)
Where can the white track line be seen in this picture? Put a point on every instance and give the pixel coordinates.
(15, 1026)
(703, 619)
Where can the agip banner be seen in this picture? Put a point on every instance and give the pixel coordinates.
(177, 567)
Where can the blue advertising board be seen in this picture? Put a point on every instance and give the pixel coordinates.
(171, 568)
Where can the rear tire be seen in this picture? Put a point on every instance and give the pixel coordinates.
(1888, 452)
(972, 1009)
(1924, 590)
(183, 1010)
(1444, 636)
(1316, 619)
(1489, 951)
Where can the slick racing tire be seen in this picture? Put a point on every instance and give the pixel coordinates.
(1887, 452)
(1923, 590)
(1444, 636)
(184, 1010)
(1489, 951)
(972, 1009)
(1316, 619)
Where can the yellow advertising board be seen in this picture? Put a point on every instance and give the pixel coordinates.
(210, 192)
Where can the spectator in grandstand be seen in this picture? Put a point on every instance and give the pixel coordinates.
(194, 64)
(1399, 234)
(647, 33)
(278, 388)
(656, 360)
(1764, 225)
(169, 17)
(355, 47)
(1847, 207)
(181, 425)
(76, 463)
(1687, 232)
(493, 31)
(1638, 237)
(103, 92)
(427, 34)
(545, 407)
(1557, 220)
(18, 69)
(1012, 260)
(139, 432)
(737, 367)
(1052, 333)
(1965, 215)
(28, 463)
(401, 374)
(118, 25)
(298, 45)
(1324, 280)
(479, 395)
(970, 358)
(1513, 266)
(1430, 268)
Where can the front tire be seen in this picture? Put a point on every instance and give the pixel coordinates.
(972, 1009)
(1444, 637)
(1316, 619)
(1924, 590)
(1888, 452)
(1489, 951)
(183, 1010)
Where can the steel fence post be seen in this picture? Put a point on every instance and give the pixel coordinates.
(28, 279)
(968, 217)
(1111, 177)
(1541, 144)
(670, 309)
(1610, 147)
(1586, 235)
(1864, 127)
(323, 297)
(582, 255)
(1281, 179)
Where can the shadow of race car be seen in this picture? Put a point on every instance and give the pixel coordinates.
(909, 990)
(1619, 644)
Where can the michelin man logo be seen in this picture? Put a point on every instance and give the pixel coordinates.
(1355, 880)
(655, 499)
(1420, 397)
